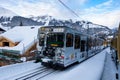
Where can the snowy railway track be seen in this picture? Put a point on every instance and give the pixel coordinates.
(30, 74)
(37, 75)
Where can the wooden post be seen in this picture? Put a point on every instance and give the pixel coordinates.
(118, 46)
(118, 50)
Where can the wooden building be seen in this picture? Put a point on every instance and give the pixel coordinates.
(7, 42)
(19, 42)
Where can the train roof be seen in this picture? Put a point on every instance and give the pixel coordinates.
(56, 26)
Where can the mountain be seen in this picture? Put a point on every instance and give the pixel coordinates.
(6, 13)
(10, 19)
(17, 20)
(84, 26)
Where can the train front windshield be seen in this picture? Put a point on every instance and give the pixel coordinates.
(41, 39)
(55, 39)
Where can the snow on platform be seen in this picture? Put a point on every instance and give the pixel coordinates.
(110, 70)
(90, 69)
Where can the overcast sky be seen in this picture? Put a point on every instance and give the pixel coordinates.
(103, 12)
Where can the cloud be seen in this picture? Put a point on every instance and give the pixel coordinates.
(104, 14)
(110, 19)
(105, 4)
(79, 2)
(41, 7)
(82, 2)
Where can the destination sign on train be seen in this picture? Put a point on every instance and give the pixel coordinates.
(53, 29)
(58, 30)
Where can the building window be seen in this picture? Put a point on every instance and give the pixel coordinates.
(5, 44)
(77, 42)
(69, 40)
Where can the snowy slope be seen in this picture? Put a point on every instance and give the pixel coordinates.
(5, 28)
(6, 13)
(90, 69)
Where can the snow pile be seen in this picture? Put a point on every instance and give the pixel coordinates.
(25, 35)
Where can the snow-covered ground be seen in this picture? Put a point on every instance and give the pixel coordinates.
(91, 69)
(109, 72)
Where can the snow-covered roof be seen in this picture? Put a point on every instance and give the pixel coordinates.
(26, 35)
(110, 37)
(17, 34)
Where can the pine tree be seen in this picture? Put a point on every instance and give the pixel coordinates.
(21, 24)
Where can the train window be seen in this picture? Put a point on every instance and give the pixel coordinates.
(89, 43)
(83, 42)
(41, 39)
(77, 42)
(69, 40)
(55, 39)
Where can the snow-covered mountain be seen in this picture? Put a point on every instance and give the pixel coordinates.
(83, 25)
(6, 13)
(10, 19)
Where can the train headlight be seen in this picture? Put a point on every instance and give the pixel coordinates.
(62, 56)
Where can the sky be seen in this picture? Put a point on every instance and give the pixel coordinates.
(103, 12)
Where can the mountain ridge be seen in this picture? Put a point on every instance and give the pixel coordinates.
(49, 20)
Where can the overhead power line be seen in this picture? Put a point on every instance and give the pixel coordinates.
(68, 8)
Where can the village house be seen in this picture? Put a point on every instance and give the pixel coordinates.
(19, 41)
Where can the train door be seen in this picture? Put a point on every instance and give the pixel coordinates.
(83, 52)
(77, 47)
(69, 49)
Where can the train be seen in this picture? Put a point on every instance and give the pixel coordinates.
(61, 46)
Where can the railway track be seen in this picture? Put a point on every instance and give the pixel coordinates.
(37, 75)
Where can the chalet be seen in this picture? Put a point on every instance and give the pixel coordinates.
(19, 41)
